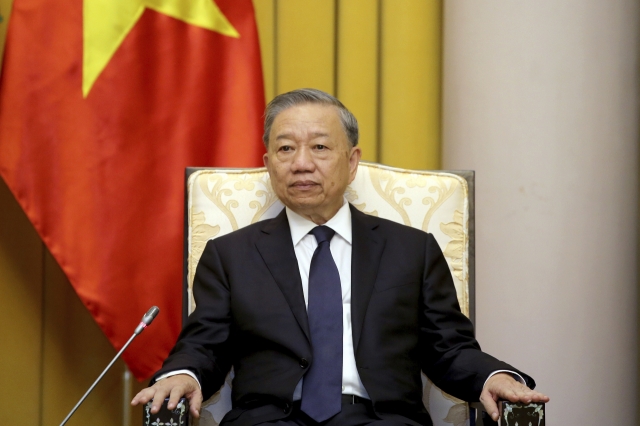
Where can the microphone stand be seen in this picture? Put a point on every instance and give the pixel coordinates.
(146, 320)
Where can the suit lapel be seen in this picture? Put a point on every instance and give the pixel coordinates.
(366, 251)
(276, 248)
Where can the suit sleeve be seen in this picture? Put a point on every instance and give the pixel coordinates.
(451, 356)
(204, 343)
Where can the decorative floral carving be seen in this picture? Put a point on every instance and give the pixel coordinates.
(270, 198)
(455, 248)
(537, 412)
(452, 398)
(245, 182)
(183, 414)
(417, 181)
(454, 252)
(179, 411)
(443, 193)
(389, 191)
(219, 188)
(215, 188)
(389, 186)
(216, 193)
(351, 195)
(458, 414)
(200, 234)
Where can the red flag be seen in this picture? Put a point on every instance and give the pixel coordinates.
(103, 103)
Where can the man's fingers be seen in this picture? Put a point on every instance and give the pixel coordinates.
(517, 393)
(523, 394)
(142, 397)
(539, 397)
(158, 399)
(194, 413)
(489, 404)
(174, 397)
(195, 401)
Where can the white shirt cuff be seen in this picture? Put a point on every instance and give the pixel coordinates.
(513, 373)
(188, 373)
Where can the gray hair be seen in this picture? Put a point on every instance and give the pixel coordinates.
(309, 96)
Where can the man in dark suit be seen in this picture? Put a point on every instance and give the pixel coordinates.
(326, 314)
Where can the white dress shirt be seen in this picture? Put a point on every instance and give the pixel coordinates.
(305, 245)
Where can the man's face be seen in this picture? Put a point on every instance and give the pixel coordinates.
(310, 160)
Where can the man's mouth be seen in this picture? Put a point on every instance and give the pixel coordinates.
(303, 184)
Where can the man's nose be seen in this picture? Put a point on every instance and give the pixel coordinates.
(303, 161)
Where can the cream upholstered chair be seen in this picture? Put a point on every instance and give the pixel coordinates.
(219, 201)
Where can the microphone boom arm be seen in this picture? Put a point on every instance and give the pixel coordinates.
(146, 320)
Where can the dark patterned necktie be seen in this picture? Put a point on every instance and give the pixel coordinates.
(322, 385)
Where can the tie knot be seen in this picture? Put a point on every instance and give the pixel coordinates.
(322, 233)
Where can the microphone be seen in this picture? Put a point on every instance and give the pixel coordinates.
(146, 319)
(144, 323)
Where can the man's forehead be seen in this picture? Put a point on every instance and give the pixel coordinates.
(307, 110)
(311, 119)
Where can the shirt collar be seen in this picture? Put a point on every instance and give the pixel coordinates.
(340, 222)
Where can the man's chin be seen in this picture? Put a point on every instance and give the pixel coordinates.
(303, 207)
(304, 198)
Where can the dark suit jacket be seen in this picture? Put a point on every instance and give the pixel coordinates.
(250, 313)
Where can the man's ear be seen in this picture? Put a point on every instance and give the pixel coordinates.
(354, 160)
(265, 160)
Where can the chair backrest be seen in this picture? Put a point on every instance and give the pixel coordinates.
(219, 201)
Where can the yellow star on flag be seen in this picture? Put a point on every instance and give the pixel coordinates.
(107, 23)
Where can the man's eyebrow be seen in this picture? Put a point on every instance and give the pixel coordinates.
(290, 135)
(320, 134)
(283, 136)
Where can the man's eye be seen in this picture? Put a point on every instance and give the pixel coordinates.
(285, 148)
(320, 147)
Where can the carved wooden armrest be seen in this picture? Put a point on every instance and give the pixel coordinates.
(510, 414)
(178, 416)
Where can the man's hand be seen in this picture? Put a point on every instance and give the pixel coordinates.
(175, 387)
(504, 386)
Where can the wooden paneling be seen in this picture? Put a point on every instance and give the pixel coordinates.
(358, 74)
(21, 256)
(410, 83)
(266, 20)
(305, 39)
(52, 350)
(5, 12)
(75, 353)
(381, 58)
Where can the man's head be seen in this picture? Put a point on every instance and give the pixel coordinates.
(309, 96)
(311, 154)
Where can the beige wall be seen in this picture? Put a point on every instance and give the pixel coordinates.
(541, 99)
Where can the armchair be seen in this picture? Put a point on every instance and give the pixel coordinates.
(219, 201)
